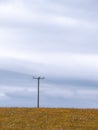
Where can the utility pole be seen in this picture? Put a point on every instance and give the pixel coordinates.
(38, 80)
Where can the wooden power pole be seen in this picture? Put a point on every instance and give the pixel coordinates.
(38, 80)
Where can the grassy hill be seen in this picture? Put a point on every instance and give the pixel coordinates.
(48, 119)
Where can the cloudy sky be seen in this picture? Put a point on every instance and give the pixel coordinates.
(57, 39)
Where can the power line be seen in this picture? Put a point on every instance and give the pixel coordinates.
(38, 80)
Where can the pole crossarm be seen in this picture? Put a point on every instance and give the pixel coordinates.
(38, 79)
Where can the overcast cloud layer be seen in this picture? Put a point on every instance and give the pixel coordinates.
(51, 38)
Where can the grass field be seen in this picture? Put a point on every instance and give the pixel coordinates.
(48, 119)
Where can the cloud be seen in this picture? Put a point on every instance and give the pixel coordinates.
(17, 12)
(68, 92)
(58, 97)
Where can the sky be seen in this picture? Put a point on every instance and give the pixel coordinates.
(57, 39)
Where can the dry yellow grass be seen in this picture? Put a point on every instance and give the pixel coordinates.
(48, 119)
